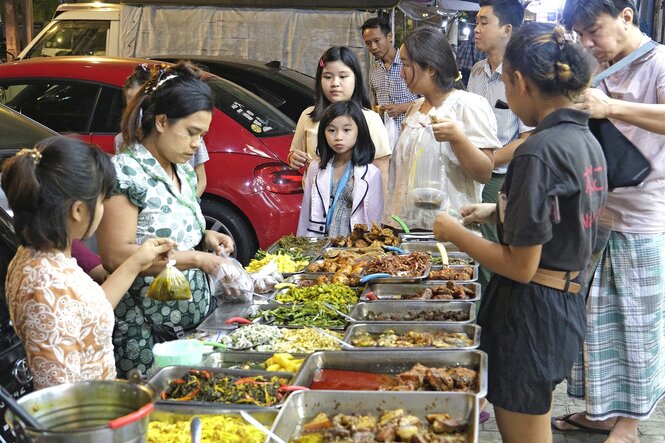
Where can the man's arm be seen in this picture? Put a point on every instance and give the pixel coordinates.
(649, 117)
(504, 155)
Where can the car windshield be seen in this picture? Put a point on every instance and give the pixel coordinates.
(251, 112)
(18, 131)
(73, 37)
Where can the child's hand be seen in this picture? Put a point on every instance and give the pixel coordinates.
(446, 130)
(298, 159)
(218, 242)
(445, 226)
(478, 213)
(152, 252)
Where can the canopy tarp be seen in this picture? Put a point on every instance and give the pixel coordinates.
(288, 4)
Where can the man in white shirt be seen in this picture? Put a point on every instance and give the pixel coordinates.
(495, 22)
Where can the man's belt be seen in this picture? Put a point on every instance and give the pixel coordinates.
(560, 280)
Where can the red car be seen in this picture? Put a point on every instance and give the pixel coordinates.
(252, 193)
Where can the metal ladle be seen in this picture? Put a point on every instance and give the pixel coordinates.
(19, 411)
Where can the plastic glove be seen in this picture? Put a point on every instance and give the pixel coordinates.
(266, 278)
(231, 283)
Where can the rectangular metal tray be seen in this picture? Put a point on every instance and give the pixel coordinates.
(160, 381)
(274, 305)
(302, 407)
(361, 310)
(234, 359)
(397, 279)
(474, 277)
(429, 246)
(392, 291)
(274, 248)
(168, 412)
(417, 236)
(470, 330)
(392, 362)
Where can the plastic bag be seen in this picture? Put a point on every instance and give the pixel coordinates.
(266, 278)
(171, 284)
(392, 129)
(231, 283)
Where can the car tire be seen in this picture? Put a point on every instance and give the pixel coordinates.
(225, 218)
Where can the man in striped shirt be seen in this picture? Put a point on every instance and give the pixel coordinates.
(386, 85)
(495, 23)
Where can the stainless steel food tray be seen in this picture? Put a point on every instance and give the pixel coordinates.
(431, 248)
(355, 329)
(400, 279)
(474, 276)
(160, 381)
(392, 362)
(256, 309)
(302, 407)
(374, 252)
(417, 236)
(302, 277)
(393, 291)
(362, 310)
(315, 251)
(233, 359)
(169, 412)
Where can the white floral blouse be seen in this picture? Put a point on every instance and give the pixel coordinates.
(62, 316)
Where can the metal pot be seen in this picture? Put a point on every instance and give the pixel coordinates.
(114, 411)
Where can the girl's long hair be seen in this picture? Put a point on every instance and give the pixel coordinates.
(364, 150)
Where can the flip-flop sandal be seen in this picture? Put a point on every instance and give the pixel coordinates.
(483, 416)
(579, 426)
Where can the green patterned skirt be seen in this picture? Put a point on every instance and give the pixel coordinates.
(133, 336)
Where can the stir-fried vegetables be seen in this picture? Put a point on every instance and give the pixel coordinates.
(335, 294)
(307, 314)
(221, 388)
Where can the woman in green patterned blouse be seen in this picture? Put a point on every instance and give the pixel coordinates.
(155, 196)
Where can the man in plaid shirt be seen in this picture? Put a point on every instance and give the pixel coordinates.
(386, 85)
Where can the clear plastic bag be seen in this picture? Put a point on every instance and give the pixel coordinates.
(266, 278)
(231, 283)
(392, 129)
(171, 284)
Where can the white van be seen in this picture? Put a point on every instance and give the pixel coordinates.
(295, 37)
(78, 29)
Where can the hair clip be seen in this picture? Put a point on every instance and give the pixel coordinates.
(459, 76)
(143, 67)
(322, 63)
(34, 153)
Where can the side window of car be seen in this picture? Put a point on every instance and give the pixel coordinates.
(63, 106)
(108, 111)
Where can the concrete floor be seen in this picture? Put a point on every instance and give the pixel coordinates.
(651, 431)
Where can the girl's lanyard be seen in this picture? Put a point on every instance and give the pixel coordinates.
(340, 187)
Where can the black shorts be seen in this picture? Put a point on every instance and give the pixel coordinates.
(532, 335)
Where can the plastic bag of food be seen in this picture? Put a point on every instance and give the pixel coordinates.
(231, 283)
(171, 284)
(266, 278)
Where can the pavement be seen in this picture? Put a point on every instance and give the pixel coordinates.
(651, 430)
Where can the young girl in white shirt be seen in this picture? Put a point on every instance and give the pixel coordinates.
(344, 188)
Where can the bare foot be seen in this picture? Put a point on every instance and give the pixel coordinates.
(578, 421)
(624, 431)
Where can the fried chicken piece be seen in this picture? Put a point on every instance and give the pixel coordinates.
(464, 378)
(445, 424)
(439, 379)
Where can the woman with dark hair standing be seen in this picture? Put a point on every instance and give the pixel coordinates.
(457, 127)
(64, 318)
(133, 85)
(155, 196)
(338, 78)
(533, 314)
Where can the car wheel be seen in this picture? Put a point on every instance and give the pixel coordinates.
(222, 217)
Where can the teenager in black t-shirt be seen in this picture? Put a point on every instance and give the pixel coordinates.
(532, 316)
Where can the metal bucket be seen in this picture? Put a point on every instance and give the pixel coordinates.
(86, 412)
